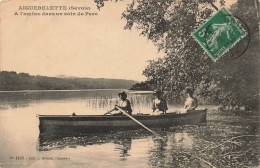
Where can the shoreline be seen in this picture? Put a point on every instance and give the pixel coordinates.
(76, 90)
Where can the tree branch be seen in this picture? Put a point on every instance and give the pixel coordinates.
(214, 6)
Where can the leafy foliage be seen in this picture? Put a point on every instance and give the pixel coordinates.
(238, 79)
(169, 25)
(147, 85)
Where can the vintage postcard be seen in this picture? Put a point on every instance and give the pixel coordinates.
(129, 83)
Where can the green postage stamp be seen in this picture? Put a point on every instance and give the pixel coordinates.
(219, 34)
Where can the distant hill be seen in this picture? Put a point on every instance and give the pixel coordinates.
(65, 76)
(23, 81)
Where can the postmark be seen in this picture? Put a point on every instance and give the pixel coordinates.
(219, 34)
(241, 46)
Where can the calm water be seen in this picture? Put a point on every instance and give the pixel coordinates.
(228, 139)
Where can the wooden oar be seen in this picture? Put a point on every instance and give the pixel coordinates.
(109, 111)
(138, 122)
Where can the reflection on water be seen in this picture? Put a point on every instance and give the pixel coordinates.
(171, 151)
(121, 138)
(226, 140)
(121, 142)
(96, 100)
(123, 145)
(183, 140)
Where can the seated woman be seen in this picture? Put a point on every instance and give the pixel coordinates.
(123, 104)
(191, 102)
(159, 104)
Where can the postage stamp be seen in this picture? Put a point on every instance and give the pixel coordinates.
(220, 33)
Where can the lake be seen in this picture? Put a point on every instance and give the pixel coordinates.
(228, 139)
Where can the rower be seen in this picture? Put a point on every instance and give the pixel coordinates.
(123, 104)
(191, 102)
(159, 104)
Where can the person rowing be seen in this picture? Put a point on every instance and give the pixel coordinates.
(159, 104)
(123, 104)
(191, 102)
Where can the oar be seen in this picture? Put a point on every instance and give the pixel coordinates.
(138, 122)
(109, 111)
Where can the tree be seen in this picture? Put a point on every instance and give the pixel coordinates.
(239, 83)
(169, 25)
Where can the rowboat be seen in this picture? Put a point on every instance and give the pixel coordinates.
(51, 124)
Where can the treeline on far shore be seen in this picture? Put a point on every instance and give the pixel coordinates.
(144, 86)
(11, 81)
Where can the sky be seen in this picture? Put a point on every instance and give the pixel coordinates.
(82, 46)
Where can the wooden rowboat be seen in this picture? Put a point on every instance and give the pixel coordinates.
(51, 124)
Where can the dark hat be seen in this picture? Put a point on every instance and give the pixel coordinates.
(122, 94)
(189, 90)
(157, 92)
